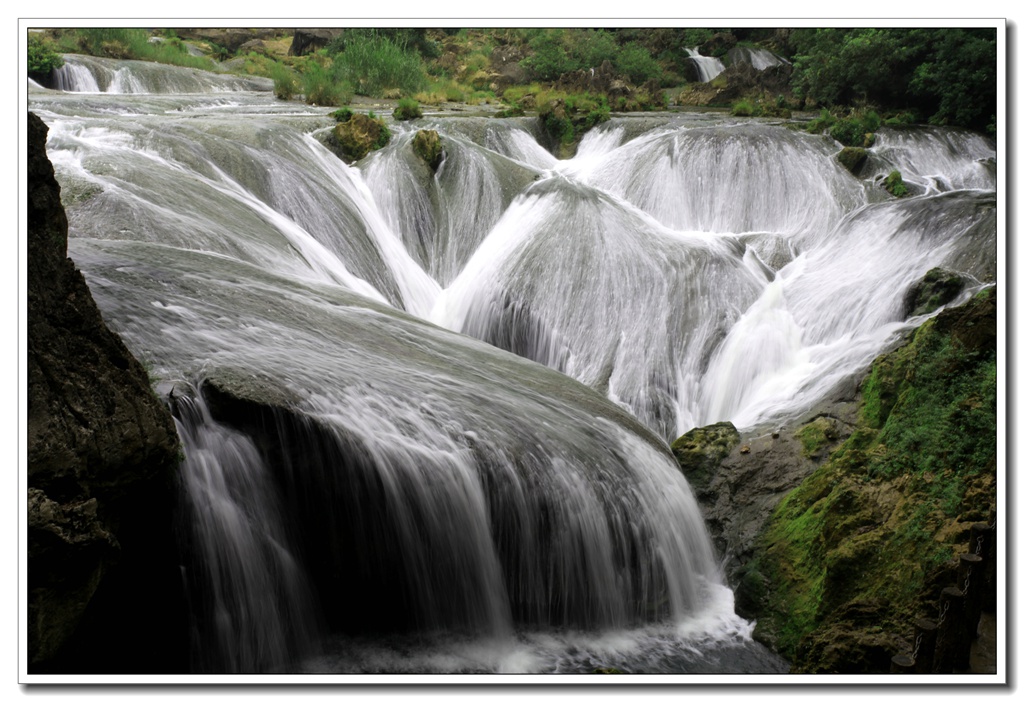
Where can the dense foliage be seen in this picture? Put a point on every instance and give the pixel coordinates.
(947, 75)
(42, 58)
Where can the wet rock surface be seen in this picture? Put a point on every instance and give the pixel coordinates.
(102, 451)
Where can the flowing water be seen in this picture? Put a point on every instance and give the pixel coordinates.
(425, 415)
(707, 66)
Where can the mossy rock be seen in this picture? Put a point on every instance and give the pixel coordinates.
(816, 435)
(858, 638)
(895, 185)
(853, 158)
(427, 145)
(700, 451)
(360, 135)
(938, 287)
(845, 560)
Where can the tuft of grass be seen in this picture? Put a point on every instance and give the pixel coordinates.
(320, 87)
(286, 81)
(407, 109)
(895, 185)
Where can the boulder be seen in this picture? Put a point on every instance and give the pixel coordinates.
(700, 451)
(718, 45)
(737, 81)
(427, 145)
(937, 288)
(103, 582)
(231, 38)
(360, 135)
(255, 46)
(853, 158)
(306, 41)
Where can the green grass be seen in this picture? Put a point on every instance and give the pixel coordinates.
(374, 65)
(407, 109)
(129, 43)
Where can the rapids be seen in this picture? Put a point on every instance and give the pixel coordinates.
(426, 415)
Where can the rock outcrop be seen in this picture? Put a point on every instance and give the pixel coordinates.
(306, 41)
(843, 529)
(738, 81)
(103, 591)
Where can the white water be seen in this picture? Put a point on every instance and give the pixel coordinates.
(426, 483)
(707, 66)
(757, 57)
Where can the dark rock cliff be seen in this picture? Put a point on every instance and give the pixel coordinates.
(103, 592)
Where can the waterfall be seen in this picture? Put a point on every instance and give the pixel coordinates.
(757, 57)
(92, 74)
(444, 398)
(707, 66)
(250, 599)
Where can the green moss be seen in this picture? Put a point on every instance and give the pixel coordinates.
(893, 501)
(853, 158)
(700, 451)
(427, 145)
(894, 184)
(568, 117)
(360, 135)
(816, 435)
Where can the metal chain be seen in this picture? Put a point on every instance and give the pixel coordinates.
(967, 579)
(977, 549)
(942, 617)
(917, 646)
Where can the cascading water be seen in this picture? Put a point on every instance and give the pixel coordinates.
(757, 57)
(707, 66)
(392, 496)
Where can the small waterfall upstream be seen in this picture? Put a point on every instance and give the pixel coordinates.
(708, 67)
(425, 414)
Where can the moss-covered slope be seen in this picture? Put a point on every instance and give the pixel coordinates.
(862, 546)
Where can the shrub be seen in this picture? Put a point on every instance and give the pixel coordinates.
(894, 184)
(743, 108)
(549, 59)
(511, 111)
(343, 114)
(848, 132)
(407, 109)
(636, 62)
(42, 57)
(321, 88)
(286, 82)
(821, 123)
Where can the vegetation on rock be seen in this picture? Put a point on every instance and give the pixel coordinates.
(360, 134)
(700, 450)
(868, 531)
(566, 120)
(407, 109)
(427, 145)
(852, 158)
(894, 184)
